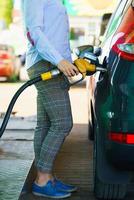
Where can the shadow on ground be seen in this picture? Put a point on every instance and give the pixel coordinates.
(73, 164)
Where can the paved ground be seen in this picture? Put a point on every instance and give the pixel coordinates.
(74, 163)
(17, 141)
(26, 103)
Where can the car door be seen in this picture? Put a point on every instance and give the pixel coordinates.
(113, 25)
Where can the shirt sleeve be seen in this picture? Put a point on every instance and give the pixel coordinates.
(33, 19)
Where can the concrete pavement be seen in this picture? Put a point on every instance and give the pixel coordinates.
(73, 164)
(26, 103)
(16, 148)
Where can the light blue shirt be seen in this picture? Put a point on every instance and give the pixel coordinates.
(47, 28)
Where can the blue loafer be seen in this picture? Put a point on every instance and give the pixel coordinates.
(64, 187)
(49, 190)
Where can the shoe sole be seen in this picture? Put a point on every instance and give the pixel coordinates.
(53, 197)
(23, 193)
(73, 190)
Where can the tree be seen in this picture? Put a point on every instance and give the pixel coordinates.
(6, 7)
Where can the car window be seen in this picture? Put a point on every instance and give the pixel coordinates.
(133, 3)
(115, 20)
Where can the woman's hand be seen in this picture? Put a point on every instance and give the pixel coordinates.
(68, 68)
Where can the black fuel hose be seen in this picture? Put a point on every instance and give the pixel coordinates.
(14, 99)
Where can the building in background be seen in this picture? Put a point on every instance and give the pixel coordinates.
(89, 7)
(14, 35)
(5, 13)
(85, 18)
(17, 17)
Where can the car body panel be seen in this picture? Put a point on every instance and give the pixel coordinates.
(112, 94)
(7, 61)
(6, 70)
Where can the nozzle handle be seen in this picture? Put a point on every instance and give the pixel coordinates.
(78, 81)
(74, 83)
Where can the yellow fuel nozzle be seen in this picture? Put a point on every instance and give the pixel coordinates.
(46, 76)
(50, 74)
(84, 66)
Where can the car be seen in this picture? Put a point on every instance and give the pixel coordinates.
(111, 106)
(9, 63)
(104, 21)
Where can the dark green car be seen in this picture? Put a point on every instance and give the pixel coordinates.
(111, 107)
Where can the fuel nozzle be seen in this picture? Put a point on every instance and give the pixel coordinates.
(88, 64)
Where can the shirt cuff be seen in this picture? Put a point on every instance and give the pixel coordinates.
(58, 59)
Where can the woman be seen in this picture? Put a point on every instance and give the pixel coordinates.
(47, 29)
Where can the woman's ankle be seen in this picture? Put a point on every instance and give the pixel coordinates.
(42, 178)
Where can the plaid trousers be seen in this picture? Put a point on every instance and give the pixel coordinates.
(54, 117)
